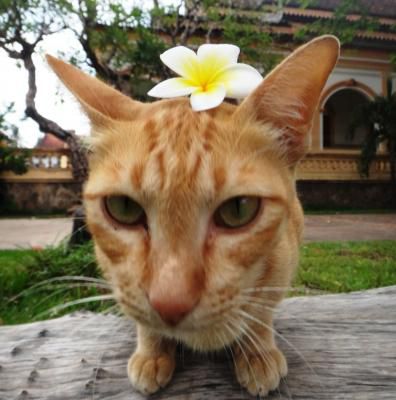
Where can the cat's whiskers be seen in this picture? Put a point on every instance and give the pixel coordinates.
(56, 309)
(228, 347)
(259, 322)
(245, 301)
(264, 353)
(109, 310)
(95, 281)
(84, 284)
(250, 346)
(62, 289)
(285, 289)
(240, 345)
(260, 304)
(268, 289)
(256, 341)
(258, 344)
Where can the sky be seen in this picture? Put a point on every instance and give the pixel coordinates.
(52, 101)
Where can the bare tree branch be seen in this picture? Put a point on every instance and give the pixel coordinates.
(8, 39)
(79, 161)
(11, 53)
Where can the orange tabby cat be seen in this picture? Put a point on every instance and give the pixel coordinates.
(195, 217)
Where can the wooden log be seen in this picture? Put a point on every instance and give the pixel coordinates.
(338, 347)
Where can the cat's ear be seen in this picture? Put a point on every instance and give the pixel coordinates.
(288, 97)
(100, 102)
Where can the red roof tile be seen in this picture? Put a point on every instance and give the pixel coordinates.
(51, 142)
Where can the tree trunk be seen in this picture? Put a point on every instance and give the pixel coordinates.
(392, 162)
(78, 155)
(337, 346)
(79, 159)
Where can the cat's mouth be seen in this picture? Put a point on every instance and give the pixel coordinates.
(211, 331)
(205, 337)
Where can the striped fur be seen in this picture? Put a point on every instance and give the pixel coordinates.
(180, 165)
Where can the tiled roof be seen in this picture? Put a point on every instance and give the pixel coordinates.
(50, 142)
(379, 8)
(293, 16)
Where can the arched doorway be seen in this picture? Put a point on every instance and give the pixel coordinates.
(338, 113)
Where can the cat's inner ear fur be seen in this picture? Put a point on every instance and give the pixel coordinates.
(289, 95)
(100, 101)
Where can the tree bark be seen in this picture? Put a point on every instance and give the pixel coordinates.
(78, 155)
(337, 346)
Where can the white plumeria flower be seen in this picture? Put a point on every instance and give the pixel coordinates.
(208, 76)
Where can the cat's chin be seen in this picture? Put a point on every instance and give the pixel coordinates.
(204, 339)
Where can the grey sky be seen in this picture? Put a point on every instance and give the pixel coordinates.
(53, 101)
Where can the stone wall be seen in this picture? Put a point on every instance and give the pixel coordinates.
(38, 197)
(346, 194)
(50, 197)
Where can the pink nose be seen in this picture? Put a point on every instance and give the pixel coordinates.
(171, 310)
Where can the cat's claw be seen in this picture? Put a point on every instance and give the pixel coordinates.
(260, 373)
(149, 373)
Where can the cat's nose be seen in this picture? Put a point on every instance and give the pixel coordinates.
(175, 287)
(172, 310)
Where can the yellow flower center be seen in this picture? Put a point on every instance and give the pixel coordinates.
(205, 73)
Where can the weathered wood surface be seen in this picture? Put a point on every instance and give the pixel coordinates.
(343, 347)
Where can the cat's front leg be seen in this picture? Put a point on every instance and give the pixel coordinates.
(259, 364)
(152, 364)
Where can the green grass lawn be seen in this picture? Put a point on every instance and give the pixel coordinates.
(33, 283)
(347, 266)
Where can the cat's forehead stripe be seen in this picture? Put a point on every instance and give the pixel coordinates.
(161, 168)
(151, 134)
(137, 175)
(219, 175)
(172, 147)
(196, 167)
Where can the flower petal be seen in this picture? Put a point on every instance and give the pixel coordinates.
(224, 54)
(173, 87)
(239, 80)
(210, 98)
(213, 58)
(181, 60)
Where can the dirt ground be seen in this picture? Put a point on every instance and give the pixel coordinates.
(350, 227)
(25, 233)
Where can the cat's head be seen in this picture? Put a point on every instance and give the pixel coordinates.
(194, 214)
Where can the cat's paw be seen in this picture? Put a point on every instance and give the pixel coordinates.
(149, 373)
(260, 373)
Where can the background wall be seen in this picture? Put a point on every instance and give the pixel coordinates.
(346, 194)
(38, 197)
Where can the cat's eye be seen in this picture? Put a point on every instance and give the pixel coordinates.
(237, 212)
(124, 210)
